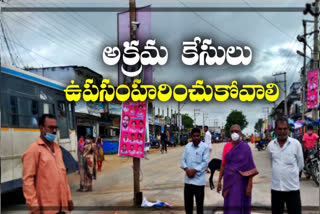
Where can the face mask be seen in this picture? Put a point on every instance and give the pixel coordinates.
(235, 136)
(50, 137)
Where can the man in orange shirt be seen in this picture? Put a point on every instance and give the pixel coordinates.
(45, 184)
(309, 141)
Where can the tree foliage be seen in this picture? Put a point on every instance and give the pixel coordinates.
(258, 125)
(235, 117)
(187, 121)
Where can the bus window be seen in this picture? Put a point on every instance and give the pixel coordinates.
(4, 110)
(14, 117)
(28, 112)
(48, 108)
(62, 121)
(71, 122)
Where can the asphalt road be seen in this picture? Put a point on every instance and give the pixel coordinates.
(162, 179)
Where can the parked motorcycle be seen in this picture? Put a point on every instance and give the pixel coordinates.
(260, 145)
(312, 166)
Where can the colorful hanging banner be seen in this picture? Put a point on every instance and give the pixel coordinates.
(132, 131)
(312, 92)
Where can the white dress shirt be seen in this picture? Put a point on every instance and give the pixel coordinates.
(207, 139)
(195, 157)
(286, 164)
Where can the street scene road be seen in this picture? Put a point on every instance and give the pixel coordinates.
(162, 179)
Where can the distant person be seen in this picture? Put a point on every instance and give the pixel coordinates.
(194, 163)
(45, 185)
(90, 163)
(164, 141)
(309, 141)
(207, 140)
(100, 153)
(81, 145)
(286, 162)
(237, 170)
(125, 107)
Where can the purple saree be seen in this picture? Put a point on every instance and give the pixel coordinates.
(238, 168)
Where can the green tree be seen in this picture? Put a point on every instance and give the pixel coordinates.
(187, 121)
(235, 117)
(258, 125)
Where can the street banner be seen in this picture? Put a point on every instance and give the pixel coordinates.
(312, 92)
(143, 33)
(132, 131)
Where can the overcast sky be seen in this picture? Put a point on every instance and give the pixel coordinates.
(77, 38)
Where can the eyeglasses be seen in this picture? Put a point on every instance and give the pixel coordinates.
(235, 131)
(52, 127)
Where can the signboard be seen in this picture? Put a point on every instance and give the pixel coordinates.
(114, 109)
(132, 129)
(312, 91)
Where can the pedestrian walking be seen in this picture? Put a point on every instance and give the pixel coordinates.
(207, 140)
(194, 163)
(45, 185)
(237, 170)
(163, 140)
(286, 161)
(90, 163)
(81, 145)
(100, 153)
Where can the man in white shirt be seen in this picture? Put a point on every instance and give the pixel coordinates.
(207, 141)
(287, 161)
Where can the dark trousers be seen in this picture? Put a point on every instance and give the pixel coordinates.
(291, 199)
(190, 191)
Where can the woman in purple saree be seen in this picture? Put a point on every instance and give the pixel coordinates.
(237, 171)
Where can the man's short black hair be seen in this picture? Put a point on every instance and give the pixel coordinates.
(310, 127)
(43, 117)
(139, 134)
(141, 121)
(134, 122)
(282, 120)
(206, 127)
(195, 130)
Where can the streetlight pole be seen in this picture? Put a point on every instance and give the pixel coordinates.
(285, 90)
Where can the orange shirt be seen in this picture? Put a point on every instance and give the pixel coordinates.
(44, 178)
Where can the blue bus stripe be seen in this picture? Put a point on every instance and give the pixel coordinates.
(32, 78)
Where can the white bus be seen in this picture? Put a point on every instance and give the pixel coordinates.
(24, 97)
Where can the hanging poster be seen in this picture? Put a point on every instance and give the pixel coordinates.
(312, 92)
(132, 131)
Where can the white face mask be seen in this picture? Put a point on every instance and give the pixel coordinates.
(235, 136)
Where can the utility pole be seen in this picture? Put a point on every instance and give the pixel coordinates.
(179, 127)
(315, 112)
(285, 90)
(137, 195)
(196, 112)
(205, 116)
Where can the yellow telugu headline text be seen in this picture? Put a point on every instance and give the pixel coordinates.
(198, 92)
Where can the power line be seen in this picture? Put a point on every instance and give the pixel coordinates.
(49, 60)
(262, 16)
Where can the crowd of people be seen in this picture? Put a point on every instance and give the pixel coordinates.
(238, 169)
(43, 162)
